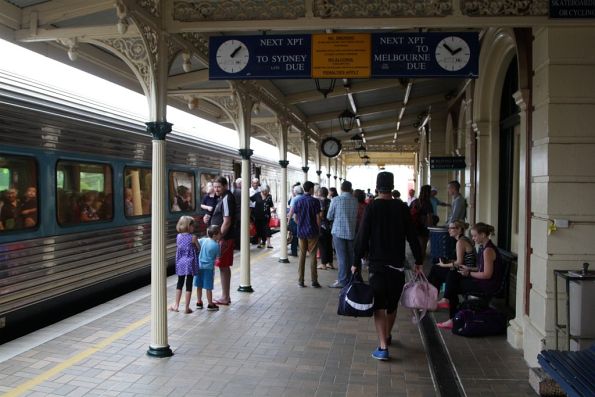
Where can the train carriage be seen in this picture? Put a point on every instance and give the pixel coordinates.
(80, 174)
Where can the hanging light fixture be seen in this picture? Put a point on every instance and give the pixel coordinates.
(347, 119)
(360, 148)
(325, 90)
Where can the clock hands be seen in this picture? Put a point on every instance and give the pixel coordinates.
(448, 48)
(234, 53)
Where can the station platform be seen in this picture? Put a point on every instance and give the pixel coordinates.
(281, 340)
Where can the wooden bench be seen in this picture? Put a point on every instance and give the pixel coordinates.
(573, 370)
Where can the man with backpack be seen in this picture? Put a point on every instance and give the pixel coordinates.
(381, 239)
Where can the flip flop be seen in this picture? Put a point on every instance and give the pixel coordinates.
(171, 309)
(219, 302)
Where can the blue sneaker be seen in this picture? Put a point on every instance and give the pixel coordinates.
(380, 354)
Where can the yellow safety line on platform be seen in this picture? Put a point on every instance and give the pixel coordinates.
(24, 387)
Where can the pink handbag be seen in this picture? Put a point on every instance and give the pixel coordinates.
(420, 296)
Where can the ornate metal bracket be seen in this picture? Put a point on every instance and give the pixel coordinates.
(283, 163)
(159, 129)
(246, 153)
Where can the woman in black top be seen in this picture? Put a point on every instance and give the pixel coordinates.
(268, 206)
(465, 255)
(209, 201)
(325, 241)
(421, 213)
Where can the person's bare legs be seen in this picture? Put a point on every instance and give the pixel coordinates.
(188, 296)
(198, 295)
(225, 273)
(390, 322)
(381, 323)
(176, 306)
(210, 296)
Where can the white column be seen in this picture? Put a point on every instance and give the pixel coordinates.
(305, 145)
(282, 209)
(244, 222)
(159, 346)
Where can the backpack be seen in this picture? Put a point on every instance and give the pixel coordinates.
(356, 298)
(485, 322)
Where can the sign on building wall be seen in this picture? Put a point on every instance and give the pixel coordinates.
(447, 163)
(572, 9)
(344, 55)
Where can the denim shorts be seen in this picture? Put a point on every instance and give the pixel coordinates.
(204, 279)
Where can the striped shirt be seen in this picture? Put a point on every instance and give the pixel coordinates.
(343, 214)
(307, 209)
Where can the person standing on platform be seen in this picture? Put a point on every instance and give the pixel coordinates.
(186, 266)
(381, 239)
(459, 205)
(237, 195)
(343, 214)
(307, 211)
(435, 203)
(410, 197)
(209, 251)
(298, 193)
(224, 217)
(325, 241)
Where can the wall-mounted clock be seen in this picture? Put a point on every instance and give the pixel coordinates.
(331, 147)
(232, 56)
(452, 53)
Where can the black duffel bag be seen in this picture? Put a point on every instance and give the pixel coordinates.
(356, 298)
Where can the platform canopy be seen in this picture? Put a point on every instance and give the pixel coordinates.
(388, 111)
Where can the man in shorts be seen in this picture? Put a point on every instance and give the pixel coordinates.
(381, 239)
(224, 216)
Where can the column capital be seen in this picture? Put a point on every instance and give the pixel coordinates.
(340, 179)
(335, 177)
(246, 153)
(283, 163)
(328, 176)
(319, 172)
(305, 169)
(158, 129)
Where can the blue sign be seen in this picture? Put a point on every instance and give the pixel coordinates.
(260, 57)
(428, 54)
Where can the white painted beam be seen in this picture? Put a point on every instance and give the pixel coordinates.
(385, 107)
(81, 33)
(10, 15)
(180, 81)
(61, 10)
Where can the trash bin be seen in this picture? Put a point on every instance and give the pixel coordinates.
(441, 244)
(582, 321)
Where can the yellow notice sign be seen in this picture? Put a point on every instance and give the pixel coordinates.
(341, 55)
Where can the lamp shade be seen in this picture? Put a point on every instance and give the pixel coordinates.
(347, 120)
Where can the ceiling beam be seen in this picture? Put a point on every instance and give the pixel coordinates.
(180, 81)
(324, 24)
(385, 107)
(61, 10)
(10, 15)
(384, 134)
(81, 33)
(355, 88)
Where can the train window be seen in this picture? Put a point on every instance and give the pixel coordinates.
(181, 191)
(18, 193)
(84, 192)
(206, 178)
(137, 191)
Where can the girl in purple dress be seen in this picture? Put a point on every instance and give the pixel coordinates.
(186, 266)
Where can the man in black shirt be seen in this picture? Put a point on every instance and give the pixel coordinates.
(381, 239)
(224, 217)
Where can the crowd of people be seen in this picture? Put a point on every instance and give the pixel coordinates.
(352, 226)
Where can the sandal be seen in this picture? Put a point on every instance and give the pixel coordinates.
(220, 302)
(329, 267)
(321, 267)
(171, 309)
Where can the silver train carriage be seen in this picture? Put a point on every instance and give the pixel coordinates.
(75, 198)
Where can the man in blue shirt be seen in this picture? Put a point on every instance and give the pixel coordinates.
(459, 205)
(307, 212)
(343, 214)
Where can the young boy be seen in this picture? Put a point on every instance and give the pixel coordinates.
(209, 251)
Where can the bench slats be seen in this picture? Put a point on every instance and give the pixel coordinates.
(574, 371)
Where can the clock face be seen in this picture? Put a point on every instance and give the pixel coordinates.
(331, 147)
(232, 56)
(452, 53)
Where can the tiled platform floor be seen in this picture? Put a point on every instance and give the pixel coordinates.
(280, 340)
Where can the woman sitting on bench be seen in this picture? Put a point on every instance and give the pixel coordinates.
(485, 281)
(465, 255)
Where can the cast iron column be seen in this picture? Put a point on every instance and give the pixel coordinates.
(245, 220)
(159, 346)
(282, 212)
